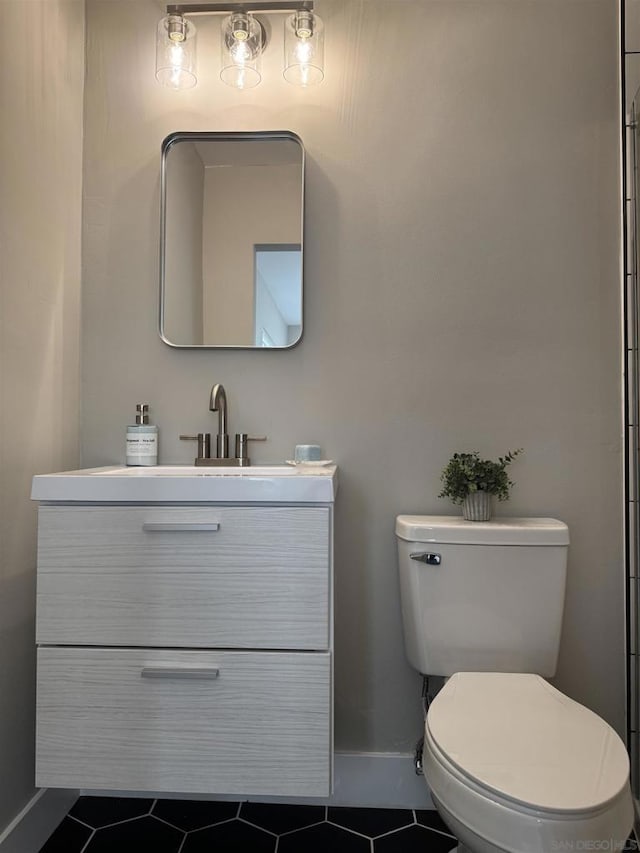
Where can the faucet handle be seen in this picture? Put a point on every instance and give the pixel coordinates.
(204, 443)
(242, 439)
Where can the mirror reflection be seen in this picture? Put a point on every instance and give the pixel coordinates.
(231, 240)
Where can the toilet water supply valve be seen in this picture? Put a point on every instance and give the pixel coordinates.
(431, 685)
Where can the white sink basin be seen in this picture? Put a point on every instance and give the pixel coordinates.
(188, 483)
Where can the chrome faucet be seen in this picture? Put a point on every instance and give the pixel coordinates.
(218, 403)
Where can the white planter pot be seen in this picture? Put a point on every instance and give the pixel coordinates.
(477, 506)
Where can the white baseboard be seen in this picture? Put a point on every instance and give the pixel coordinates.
(29, 830)
(382, 779)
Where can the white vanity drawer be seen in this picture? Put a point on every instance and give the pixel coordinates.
(153, 720)
(248, 577)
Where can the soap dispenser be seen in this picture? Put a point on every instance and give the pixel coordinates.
(142, 439)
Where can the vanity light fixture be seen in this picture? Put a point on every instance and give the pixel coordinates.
(242, 41)
(176, 52)
(241, 44)
(303, 48)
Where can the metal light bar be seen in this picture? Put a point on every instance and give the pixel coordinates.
(225, 8)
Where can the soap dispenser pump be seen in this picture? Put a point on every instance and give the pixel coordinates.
(142, 439)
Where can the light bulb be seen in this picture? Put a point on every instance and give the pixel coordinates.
(240, 52)
(176, 54)
(303, 51)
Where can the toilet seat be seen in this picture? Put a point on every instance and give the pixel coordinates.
(514, 736)
(480, 725)
(484, 821)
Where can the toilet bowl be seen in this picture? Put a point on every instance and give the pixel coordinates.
(514, 765)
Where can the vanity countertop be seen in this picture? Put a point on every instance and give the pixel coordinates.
(190, 484)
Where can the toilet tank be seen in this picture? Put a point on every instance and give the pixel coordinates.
(482, 596)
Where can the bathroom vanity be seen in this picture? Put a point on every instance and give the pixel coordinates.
(184, 630)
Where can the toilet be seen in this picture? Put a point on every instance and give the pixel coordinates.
(512, 764)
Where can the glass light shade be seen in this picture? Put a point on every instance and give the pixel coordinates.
(176, 53)
(303, 49)
(241, 44)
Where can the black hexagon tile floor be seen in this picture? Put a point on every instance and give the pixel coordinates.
(121, 825)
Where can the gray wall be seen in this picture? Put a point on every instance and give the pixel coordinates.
(42, 49)
(462, 292)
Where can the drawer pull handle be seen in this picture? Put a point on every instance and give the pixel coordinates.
(180, 527)
(207, 674)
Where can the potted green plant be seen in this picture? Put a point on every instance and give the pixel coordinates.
(471, 481)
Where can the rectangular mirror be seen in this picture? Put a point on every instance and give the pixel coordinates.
(231, 242)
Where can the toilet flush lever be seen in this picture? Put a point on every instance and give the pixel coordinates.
(428, 558)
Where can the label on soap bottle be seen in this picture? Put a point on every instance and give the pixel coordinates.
(142, 447)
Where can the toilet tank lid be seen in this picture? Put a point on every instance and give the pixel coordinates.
(452, 529)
